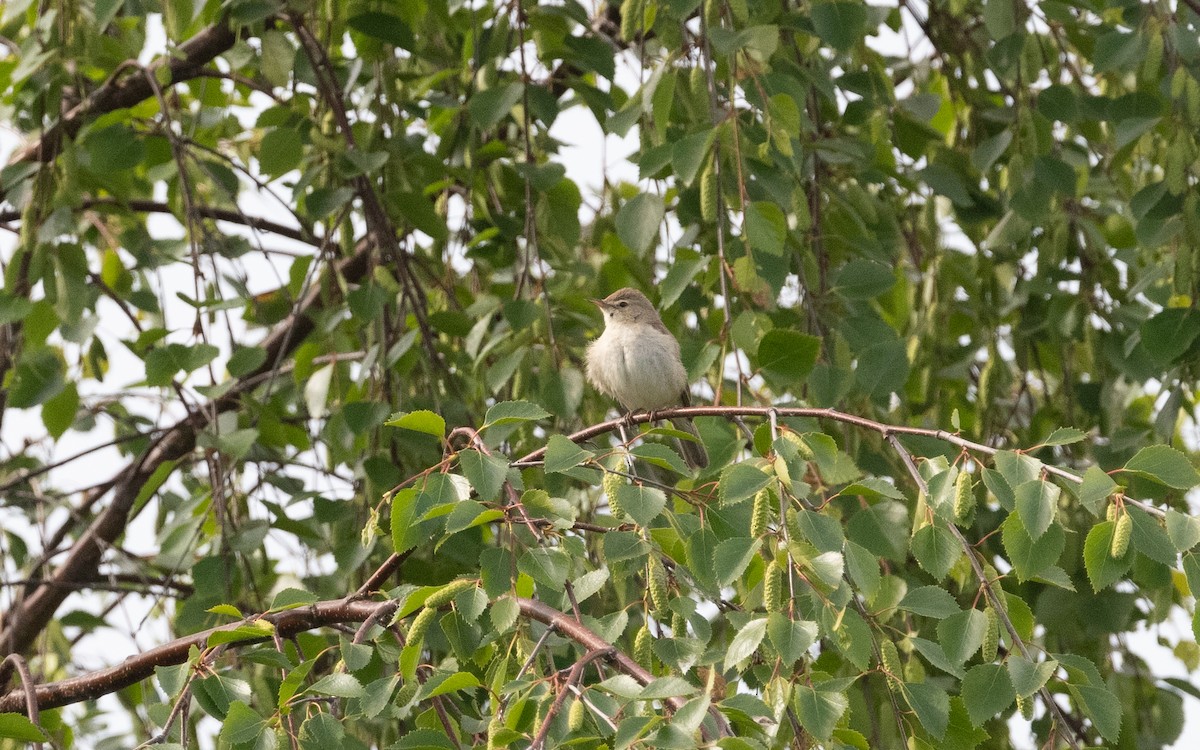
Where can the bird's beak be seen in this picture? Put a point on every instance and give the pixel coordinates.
(599, 303)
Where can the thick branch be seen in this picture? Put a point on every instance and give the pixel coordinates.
(287, 623)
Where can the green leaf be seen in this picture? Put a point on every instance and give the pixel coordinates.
(936, 549)
(485, 473)
(1149, 537)
(563, 455)
(840, 24)
(1064, 436)
(819, 710)
(242, 724)
(787, 356)
(961, 635)
(511, 412)
(58, 413)
(1017, 468)
(549, 566)
(740, 482)
(441, 683)
(38, 377)
(1102, 568)
(791, 638)
(1165, 465)
(1183, 530)
(1097, 487)
(419, 421)
(163, 363)
(1030, 558)
(1037, 503)
(641, 503)
(639, 220)
(883, 529)
(18, 727)
(114, 149)
(1102, 707)
(766, 228)
(280, 151)
(931, 704)
(489, 106)
(1169, 334)
(986, 691)
(250, 631)
(745, 642)
(1028, 677)
(338, 684)
(862, 278)
(930, 601)
(384, 27)
(732, 557)
(863, 568)
(322, 202)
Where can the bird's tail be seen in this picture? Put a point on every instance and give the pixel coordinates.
(692, 450)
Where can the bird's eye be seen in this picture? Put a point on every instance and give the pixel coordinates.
(623, 304)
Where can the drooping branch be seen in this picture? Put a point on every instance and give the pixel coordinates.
(27, 618)
(183, 63)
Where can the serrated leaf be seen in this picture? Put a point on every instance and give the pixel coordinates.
(961, 634)
(18, 727)
(740, 482)
(510, 412)
(1165, 465)
(1030, 558)
(936, 549)
(419, 421)
(485, 473)
(931, 704)
(840, 24)
(986, 691)
(787, 356)
(766, 228)
(441, 684)
(1183, 530)
(883, 529)
(819, 710)
(732, 557)
(639, 220)
(745, 642)
(641, 503)
(549, 566)
(1097, 487)
(1150, 539)
(1064, 436)
(1028, 677)
(563, 455)
(1102, 707)
(1037, 503)
(1102, 568)
(338, 684)
(670, 686)
(930, 601)
(791, 638)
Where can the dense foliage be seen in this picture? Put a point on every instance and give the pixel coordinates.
(303, 301)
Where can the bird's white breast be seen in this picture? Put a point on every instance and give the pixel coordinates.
(638, 366)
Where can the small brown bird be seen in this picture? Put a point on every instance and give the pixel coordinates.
(636, 361)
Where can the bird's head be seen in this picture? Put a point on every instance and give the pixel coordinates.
(627, 307)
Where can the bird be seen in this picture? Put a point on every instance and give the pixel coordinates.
(636, 361)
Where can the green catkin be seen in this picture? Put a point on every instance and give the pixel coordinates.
(1025, 706)
(964, 497)
(991, 636)
(773, 587)
(890, 661)
(1110, 513)
(611, 483)
(642, 643)
(761, 515)
(997, 592)
(1121, 534)
(678, 625)
(708, 192)
(448, 592)
(420, 625)
(792, 521)
(575, 715)
(493, 729)
(660, 592)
